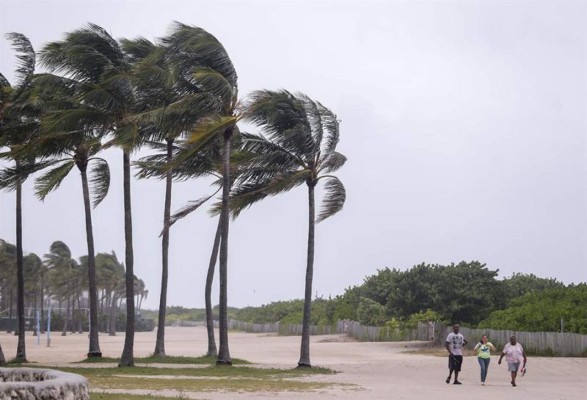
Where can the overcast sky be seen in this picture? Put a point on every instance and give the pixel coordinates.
(464, 124)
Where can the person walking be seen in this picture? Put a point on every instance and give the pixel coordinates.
(514, 353)
(483, 349)
(454, 344)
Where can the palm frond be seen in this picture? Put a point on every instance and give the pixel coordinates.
(193, 46)
(315, 120)
(246, 194)
(334, 198)
(112, 93)
(137, 49)
(85, 54)
(215, 83)
(204, 133)
(183, 212)
(26, 56)
(127, 136)
(79, 119)
(332, 162)
(50, 181)
(283, 118)
(331, 125)
(3, 84)
(99, 180)
(11, 177)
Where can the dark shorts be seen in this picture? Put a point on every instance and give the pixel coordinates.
(455, 362)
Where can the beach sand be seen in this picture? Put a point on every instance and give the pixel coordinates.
(400, 370)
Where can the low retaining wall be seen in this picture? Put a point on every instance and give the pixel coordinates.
(41, 384)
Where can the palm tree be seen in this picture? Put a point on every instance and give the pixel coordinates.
(18, 122)
(111, 279)
(168, 106)
(33, 272)
(69, 140)
(204, 59)
(100, 102)
(63, 277)
(299, 147)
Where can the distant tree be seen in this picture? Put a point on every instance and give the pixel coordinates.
(550, 310)
(370, 313)
(63, 278)
(520, 284)
(34, 272)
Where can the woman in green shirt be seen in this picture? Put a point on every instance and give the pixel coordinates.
(483, 349)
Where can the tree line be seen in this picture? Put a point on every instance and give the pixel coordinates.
(57, 282)
(178, 97)
(468, 293)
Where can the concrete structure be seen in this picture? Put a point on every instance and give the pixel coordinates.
(45, 384)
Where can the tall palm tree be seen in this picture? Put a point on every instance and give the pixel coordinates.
(299, 147)
(18, 122)
(68, 139)
(169, 104)
(205, 60)
(115, 100)
(208, 162)
(95, 70)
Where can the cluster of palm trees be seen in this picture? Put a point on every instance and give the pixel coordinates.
(179, 97)
(60, 282)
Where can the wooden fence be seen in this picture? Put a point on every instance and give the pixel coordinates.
(540, 343)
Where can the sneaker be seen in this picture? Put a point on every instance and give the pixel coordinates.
(482, 383)
(457, 383)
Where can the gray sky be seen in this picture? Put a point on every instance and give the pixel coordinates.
(464, 124)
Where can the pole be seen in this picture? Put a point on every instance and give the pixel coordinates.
(49, 325)
(38, 327)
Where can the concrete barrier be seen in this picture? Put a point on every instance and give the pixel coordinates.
(41, 384)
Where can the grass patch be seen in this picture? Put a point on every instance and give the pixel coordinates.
(203, 360)
(125, 396)
(202, 379)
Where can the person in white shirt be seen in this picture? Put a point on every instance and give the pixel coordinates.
(514, 353)
(454, 344)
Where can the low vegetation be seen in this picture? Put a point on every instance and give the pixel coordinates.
(203, 378)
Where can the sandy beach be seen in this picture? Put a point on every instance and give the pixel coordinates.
(367, 370)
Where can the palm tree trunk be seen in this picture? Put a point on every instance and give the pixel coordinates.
(160, 343)
(224, 353)
(42, 330)
(305, 348)
(20, 348)
(2, 358)
(112, 316)
(66, 323)
(127, 358)
(212, 351)
(94, 348)
(11, 308)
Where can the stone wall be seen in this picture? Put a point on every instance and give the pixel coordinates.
(41, 384)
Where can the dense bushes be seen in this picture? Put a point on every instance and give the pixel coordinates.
(550, 310)
(467, 292)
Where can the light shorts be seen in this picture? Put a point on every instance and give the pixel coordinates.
(513, 367)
